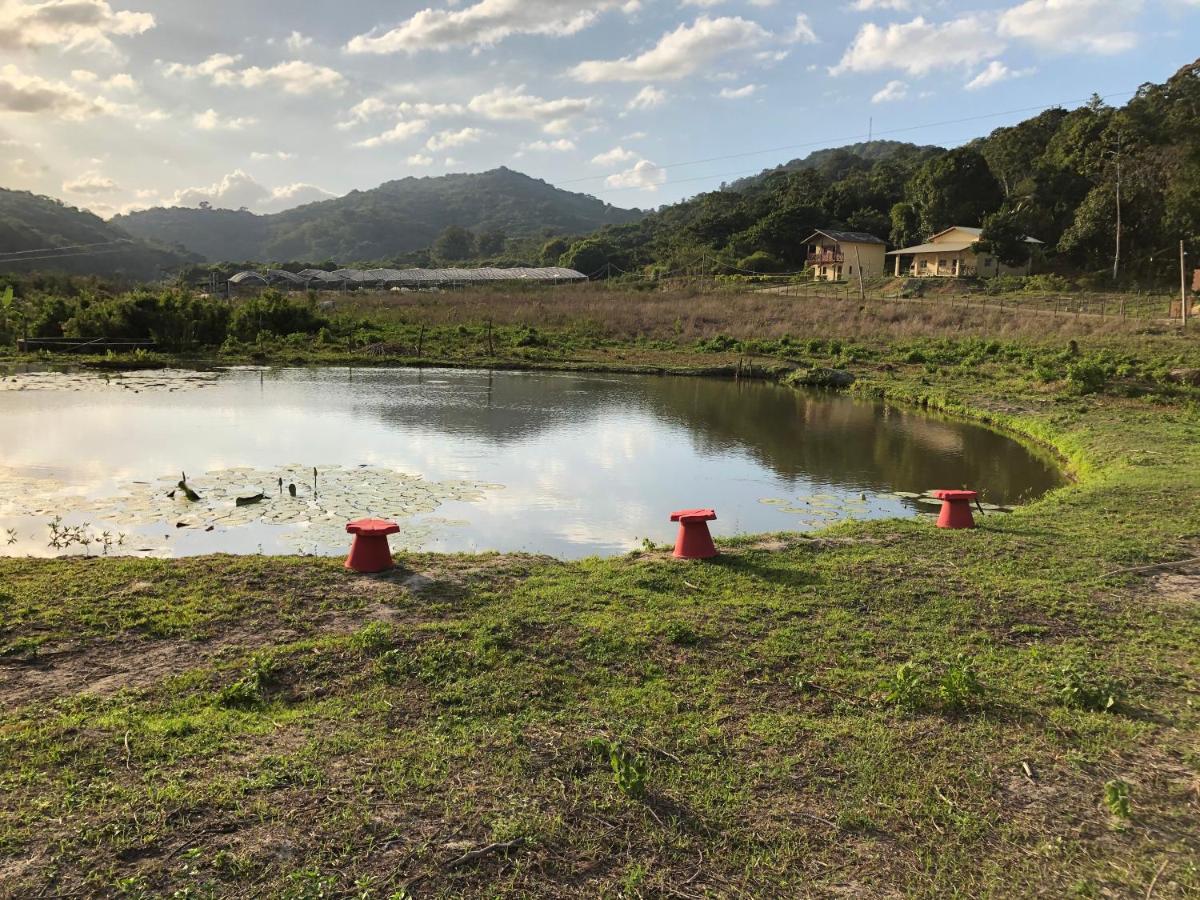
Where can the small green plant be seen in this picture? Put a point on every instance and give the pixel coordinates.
(629, 770)
(1116, 798)
(372, 639)
(959, 685)
(905, 689)
(1080, 686)
(682, 634)
(248, 691)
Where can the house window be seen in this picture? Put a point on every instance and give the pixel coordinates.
(852, 270)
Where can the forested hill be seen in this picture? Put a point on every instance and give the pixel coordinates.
(1052, 176)
(30, 225)
(831, 160)
(395, 218)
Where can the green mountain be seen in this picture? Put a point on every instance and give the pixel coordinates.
(393, 219)
(1052, 176)
(43, 234)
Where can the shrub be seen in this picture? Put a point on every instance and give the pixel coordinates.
(272, 312)
(1080, 686)
(906, 688)
(629, 770)
(959, 685)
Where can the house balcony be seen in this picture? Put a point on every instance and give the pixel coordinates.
(826, 258)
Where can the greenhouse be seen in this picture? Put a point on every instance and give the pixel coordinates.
(341, 279)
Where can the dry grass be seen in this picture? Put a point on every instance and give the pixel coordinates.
(685, 316)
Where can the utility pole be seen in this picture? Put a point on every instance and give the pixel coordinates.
(1117, 255)
(862, 291)
(1183, 310)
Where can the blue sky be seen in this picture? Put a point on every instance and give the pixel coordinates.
(271, 103)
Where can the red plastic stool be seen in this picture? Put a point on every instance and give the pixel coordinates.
(370, 552)
(956, 509)
(694, 541)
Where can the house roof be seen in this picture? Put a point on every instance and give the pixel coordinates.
(944, 247)
(950, 246)
(847, 237)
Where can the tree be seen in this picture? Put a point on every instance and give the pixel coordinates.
(454, 243)
(906, 225)
(491, 243)
(553, 249)
(589, 256)
(957, 188)
(1004, 236)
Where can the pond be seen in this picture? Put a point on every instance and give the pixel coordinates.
(277, 460)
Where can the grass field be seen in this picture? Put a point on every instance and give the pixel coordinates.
(883, 709)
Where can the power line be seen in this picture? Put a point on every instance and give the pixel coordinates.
(4, 255)
(826, 141)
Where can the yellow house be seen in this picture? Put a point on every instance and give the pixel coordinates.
(951, 254)
(834, 255)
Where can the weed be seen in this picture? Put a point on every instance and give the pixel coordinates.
(247, 692)
(959, 685)
(629, 770)
(373, 639)
(905, 689)
(1080, 686)
(682, 634)
(1116, 798)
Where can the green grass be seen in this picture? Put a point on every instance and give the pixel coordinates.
(884, 707)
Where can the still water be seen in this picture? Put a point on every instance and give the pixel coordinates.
(567, 464)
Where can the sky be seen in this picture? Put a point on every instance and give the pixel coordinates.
(114, 105)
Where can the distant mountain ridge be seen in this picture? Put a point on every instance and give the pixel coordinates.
(834, 157)
(395, 218)
(30, 222)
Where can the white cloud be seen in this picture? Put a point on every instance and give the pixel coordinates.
(562, 145)
(740, 93)
(68, 24)
(31, 94)
(297, 194)
(919, 47)
(24, 168)
(867, 5)
(647, 98)
(1094, 26)
(420, 159)
(211, 120)
(401, 131)
(451, 161)
(483, 23)
(91, 183)
(614, 156)
(679, 53)
(443, 140)
(802, 32)
(365, 111)
(893, 90)
(278, 154)
(513, 104)
(293, 77)
(994, 73)
(297, 42)
(645, 175)
(238, 189)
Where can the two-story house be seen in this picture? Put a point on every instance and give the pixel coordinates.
(834, 255)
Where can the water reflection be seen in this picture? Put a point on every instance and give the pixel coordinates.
(590, 463)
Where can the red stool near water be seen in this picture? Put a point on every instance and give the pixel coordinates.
(370, 551)
(956, 509)
(694, 541)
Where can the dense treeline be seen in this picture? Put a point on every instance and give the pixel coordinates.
(1053, 176)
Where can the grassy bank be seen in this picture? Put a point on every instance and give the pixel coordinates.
(881, 709)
